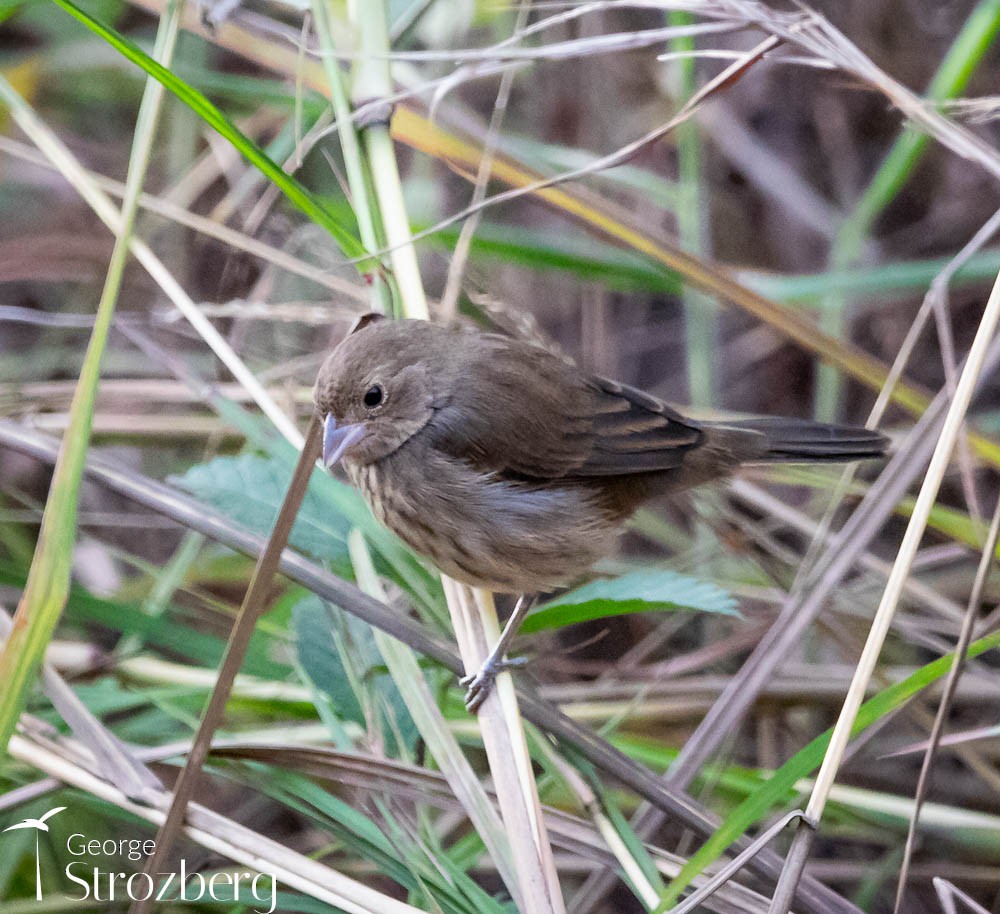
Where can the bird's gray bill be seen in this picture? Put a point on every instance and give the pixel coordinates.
(338, 438)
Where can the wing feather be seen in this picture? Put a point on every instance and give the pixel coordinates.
(518, 411)
(635, 433)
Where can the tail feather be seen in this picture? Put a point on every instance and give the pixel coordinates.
(801, 439)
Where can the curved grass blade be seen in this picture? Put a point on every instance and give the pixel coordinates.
(956, 69)
(602, 215)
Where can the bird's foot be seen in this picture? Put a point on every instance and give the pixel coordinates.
(479, 684)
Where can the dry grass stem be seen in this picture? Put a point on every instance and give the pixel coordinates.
(502, 733)
(986, 561)
(69, 167)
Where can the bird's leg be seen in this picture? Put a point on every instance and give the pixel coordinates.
(480, 682)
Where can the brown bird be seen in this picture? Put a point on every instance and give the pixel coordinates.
(511, 469)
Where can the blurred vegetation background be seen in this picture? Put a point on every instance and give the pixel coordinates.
(798, 183)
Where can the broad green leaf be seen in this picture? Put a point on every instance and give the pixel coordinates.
(249, 490)
(637, 591)
(338, 653)
(320, 661)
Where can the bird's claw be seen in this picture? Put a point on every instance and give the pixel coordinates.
(479, 684)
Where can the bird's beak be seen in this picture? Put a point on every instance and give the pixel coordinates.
(337, 439)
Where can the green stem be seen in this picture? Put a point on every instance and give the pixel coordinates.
(780, 787)
(700, 311)
(373, 80)
(362, 201)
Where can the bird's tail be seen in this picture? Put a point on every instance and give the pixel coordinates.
(793, 440)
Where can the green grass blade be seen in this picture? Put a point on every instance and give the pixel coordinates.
(957, 67)
(700, 312)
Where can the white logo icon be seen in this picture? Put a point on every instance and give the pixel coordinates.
(39, 826)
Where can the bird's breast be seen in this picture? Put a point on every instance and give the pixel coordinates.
(507, 536)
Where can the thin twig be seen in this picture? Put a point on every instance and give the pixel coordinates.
(947, 892)
(453, 284)
(736, 864)
(620, 156)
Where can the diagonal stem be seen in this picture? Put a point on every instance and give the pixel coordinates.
(239, 639)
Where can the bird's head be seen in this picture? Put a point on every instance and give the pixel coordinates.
(374, 391)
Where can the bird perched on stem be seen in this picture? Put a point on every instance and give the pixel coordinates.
(511, 469)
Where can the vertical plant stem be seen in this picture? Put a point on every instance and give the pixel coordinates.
(986, 561)
(86, 185)
(477, 630)
(47, 586)
(358, 180)
(236, 648)
(460, 255)
(700, 311)
(883, 616)
(423, 707)
(374, 81)
(474, 616)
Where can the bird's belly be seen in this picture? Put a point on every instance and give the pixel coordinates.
(506, 537)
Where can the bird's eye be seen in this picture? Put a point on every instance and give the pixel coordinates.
(373, 396)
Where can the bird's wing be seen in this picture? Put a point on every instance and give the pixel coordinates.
(522, 412)
(635, 433)
(27, 823)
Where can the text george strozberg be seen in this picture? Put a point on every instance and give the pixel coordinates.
(97, 884)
